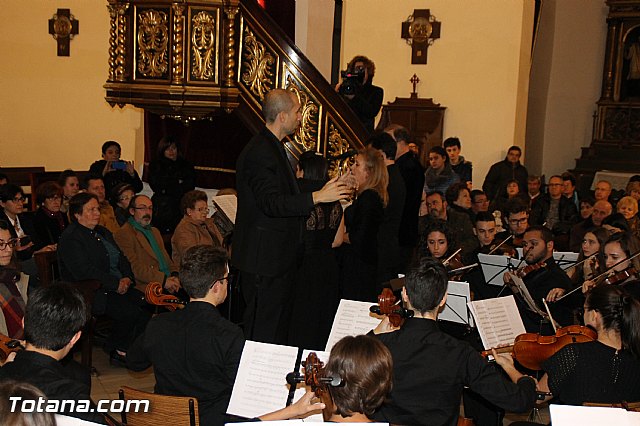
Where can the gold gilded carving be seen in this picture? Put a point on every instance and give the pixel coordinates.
(153, 38)
(258, 63)
(337, 145)
(117, 47)
(203, 39)
(230, 46)
(307, 133)
(177, 48)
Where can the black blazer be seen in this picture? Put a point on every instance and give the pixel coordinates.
(82, 256)
(270, 209)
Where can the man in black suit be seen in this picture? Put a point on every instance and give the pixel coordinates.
(269, 220)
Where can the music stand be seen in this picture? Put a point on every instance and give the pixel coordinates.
(456, 309)
(565, 259)
(494, 267)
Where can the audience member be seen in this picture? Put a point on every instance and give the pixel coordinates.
(534, 184)
(500, 173)
(87, 251)
(49, 221)
(616, 222)
(70, 184)
(602, 191)
(432, 368)
(389, 260)
(458, 198)
(53, 323)
(93, 184)
(459, 223)
(439, 176)
(461, 167)
(556, 212)
(142, 244)
(170, 177)
(569, 189)
(628, 207)
(195, 351)
(586, 206)
(361, 95)
(413, 177)
(479, 202)
(633, 190)
(120, 198)
(599, 211)
(114, 170)
(363, 219)
(509, 192)
(12, 296)
(195, 228)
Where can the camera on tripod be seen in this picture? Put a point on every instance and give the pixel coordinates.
(351, 81)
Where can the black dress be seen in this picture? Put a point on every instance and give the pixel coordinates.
(48, 226)
(170, 180)
(593, 372)
(360, 257)
(316, 291)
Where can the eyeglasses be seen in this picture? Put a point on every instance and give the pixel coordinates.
(226, 279)
(143, 208)
(518, 221)
(11, 243)
(18, 199)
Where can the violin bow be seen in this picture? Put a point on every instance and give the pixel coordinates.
(605, 273)
(448, 259)
(500, 245)
(553, 322)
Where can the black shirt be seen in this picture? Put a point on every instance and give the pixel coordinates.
(430, 370)
(52, 378)
(413, 176)
(593, 372)
(195, 352)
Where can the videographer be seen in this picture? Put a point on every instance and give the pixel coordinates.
(364, 98)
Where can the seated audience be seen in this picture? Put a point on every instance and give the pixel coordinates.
(606, 370)
(68, 181)
(49, 221)
(600, 210)
(628, 207)
(556, 212)
(459, 223)
(459, 199)
(534, 184)
(633, 190)
(510, 192)
(87, 251)
(12, 297)
(586, 207)
(195, 351)
(195, 228)
(120, 198)
(569, 189)
(53, 323)
(114, 170)
(439, 176)
(616, 222)
(431, 368)
(461, 167)
(362, 222)
(142, 245)
(602, 191)
(170, 177)
(501, 172)
(93, 184)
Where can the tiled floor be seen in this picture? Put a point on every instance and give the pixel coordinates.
(111, 379)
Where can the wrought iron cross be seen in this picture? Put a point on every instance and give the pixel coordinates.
(63, 26)
(420, 30)
(414, 80)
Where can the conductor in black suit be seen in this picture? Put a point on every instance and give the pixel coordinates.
(269, 220)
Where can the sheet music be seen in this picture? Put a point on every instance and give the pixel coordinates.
(261, 384)
(526, 296)
(498, 320)
(228, 204)
(458, 295)
(352, 318)
(568, 415)
(494, 267)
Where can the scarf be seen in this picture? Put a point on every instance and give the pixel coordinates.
(11, 302)
(146, 231)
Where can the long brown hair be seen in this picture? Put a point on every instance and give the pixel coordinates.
(377, 175)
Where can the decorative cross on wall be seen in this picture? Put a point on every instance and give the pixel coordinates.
(420, 30)
(414, 80)
(63, 26)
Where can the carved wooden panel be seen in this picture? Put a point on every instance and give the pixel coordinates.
(152, 43)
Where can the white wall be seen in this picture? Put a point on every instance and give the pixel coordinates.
(53, 111)
(314, 32)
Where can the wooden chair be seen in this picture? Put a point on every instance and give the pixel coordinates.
(629, 406)
(163, 409)
(47, 264)
(22, 176)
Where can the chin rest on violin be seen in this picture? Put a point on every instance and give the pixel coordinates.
(8, 345)
(154, 296)
(532, 349)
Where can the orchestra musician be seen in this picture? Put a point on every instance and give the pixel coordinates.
(543, 275)
(621, 246)
(517, 218)
(432, 368)
(439, 242)
(606, 370)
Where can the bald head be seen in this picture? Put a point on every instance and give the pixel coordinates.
(603, 190)
(275, 102)
(601, 209)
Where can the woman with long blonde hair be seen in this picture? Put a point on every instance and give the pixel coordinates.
(362, 220)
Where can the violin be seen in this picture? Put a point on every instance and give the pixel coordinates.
(526, 270)
(503, 248)
(454, 263)
(316, 378)
(387, 305)
(154, 296)
(8, 345)
(620, 277)
(531, 350)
